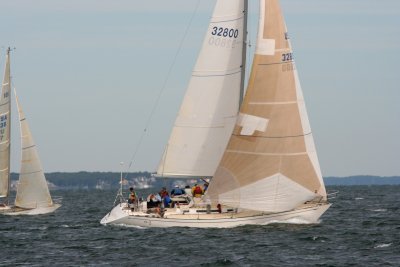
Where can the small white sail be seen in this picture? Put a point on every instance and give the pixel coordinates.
(270, 163)
(5, 126)
(210, 106)
(32, 191)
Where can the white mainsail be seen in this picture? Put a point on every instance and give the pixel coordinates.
(210, 106)
(5, 126)
(270, 163)
(32, 190)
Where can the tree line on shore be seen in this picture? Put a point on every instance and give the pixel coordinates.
(112, 179)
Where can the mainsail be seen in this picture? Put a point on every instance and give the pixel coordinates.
(32, 190)
(270, 163)
(5, 126)
(210, 107)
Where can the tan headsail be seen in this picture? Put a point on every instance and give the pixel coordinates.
(270, 163)
(210, 107)
(5, 126)
(32, 190)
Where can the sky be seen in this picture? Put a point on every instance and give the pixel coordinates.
(88, 73)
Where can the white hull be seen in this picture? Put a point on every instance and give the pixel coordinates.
(37, 211)
(4, 208)
(304, 215)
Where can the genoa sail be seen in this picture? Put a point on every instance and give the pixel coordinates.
(32, 190)
(270, 163)
(5, 126)
(209, 110)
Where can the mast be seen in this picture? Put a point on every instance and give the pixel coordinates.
(9, 132)
(244, 51)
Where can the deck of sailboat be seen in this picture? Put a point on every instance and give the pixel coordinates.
(202, 214)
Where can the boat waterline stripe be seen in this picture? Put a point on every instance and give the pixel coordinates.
(266, 154)
(28, 147)
(273, 103)
(272, 137)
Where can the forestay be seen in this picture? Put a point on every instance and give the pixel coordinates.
(210, 107)
(270, 163)
(5, 126)
(32, 190)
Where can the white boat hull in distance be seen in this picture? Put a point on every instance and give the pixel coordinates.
(4, 208)
(309, 214)
(37, 211)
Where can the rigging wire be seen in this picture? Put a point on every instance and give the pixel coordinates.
(161, 90)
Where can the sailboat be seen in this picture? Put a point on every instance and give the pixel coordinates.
(33, 196)
(258, 147)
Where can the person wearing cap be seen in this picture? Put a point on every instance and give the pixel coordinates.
(177, 191)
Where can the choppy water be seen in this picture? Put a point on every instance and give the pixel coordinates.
(362, 228)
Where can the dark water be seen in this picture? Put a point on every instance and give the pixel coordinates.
(362, 228)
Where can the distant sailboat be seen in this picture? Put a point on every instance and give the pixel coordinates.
(262, 157)
(33, 196)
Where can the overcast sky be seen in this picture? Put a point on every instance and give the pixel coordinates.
(88, 72)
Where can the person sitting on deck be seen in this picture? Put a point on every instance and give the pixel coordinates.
(163, 192)
(188, 191)
(197, 191)
(205, 186)
(132, 196)
(153, 201)
(177, 191)
(167, 201)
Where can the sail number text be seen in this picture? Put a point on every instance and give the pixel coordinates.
(225, 32)
(3, 124)
(287, 57)
(3, 121)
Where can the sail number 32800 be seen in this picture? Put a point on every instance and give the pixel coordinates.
(225, 32)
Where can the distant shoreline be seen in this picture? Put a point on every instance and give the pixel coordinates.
(143, 180)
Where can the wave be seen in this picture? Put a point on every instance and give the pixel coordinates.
(379, 210)
(292, 221)
(384, 245)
